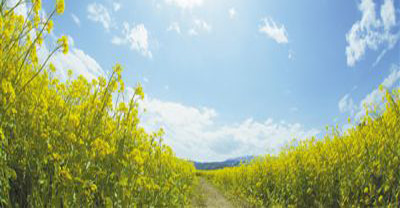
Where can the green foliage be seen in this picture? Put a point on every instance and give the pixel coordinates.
(75, 143)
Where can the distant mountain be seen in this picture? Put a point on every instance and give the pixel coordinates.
(219, 165)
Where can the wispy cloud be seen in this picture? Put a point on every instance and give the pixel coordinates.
(291, 54)
(274, 30)
(374, 98)
(199, 26)
(174, 27)
(116, 6)
(137, 37)
(76, 19)
(371, 31)
(346, 104)
(99, 13)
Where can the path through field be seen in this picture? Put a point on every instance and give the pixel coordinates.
(209, 196)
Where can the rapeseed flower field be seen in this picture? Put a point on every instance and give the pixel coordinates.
(76, 143)
(357, 168)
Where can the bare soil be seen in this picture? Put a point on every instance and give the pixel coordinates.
(208, 196)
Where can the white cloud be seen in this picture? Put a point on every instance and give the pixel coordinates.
(76, 19)
(346, 104)
(201, 24)
(99, 13)
(375, 97)
(389, 82)
(116, 6)
(371, 32)
(232, 13)
(192, 32)
(20, 10)
(275, 31)
(76, 60)
(198, 27)
(174, 27)
(137, 37)
(193, 132)
(388, 14)
(185, 4)
(118, 40)
(79, 62)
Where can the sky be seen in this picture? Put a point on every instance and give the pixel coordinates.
(228, 78)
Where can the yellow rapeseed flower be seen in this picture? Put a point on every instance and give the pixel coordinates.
(1, 134)
(65, 174)
(381, 88)
(93, 187)
(37, 5)
(50, 26)
(380, 199)
(366, 190)
(36, 20)
(63, 41)
(139, 91)
(52, 67)
(60, 6)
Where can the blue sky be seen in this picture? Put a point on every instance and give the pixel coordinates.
(229, 78)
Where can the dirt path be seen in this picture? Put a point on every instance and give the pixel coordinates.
(209, 196)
